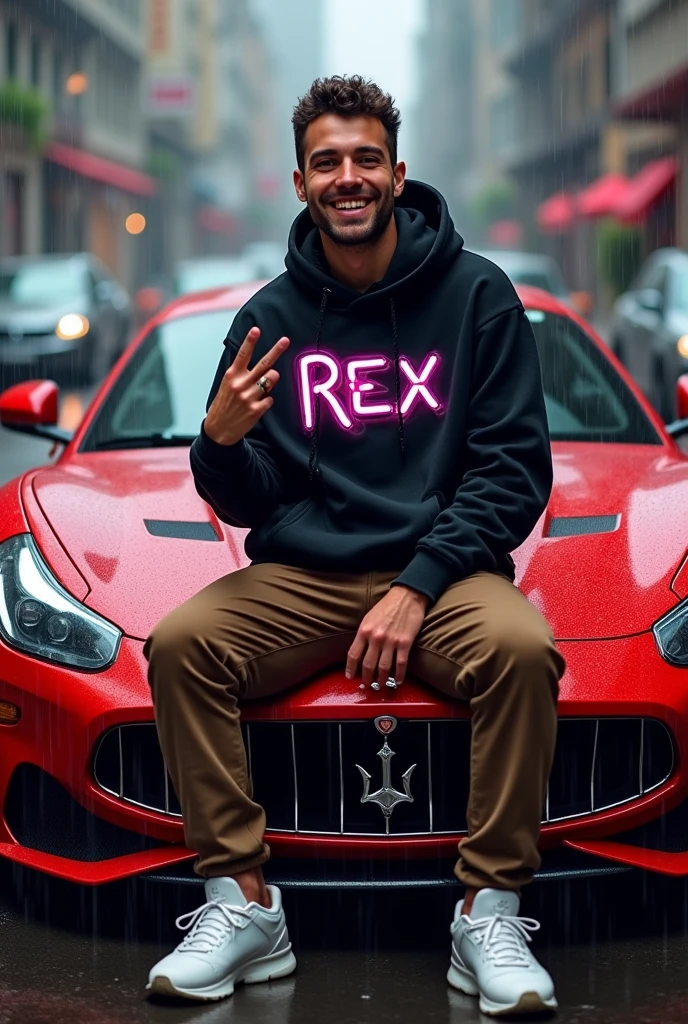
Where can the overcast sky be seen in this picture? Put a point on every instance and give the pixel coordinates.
(376, 38)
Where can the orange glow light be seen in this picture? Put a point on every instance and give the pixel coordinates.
(135, 223)
(77, 83)
(9, 713)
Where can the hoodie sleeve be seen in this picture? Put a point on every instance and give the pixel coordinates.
(508, 476)
(241, 482)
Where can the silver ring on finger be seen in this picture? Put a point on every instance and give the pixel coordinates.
(263, 384)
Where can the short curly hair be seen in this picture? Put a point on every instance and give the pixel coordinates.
(351, 96)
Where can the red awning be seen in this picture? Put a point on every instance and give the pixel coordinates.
(663, 100)
(602, 197)
(557, 213)
(648, 186)
(211, 218)
(98, 169)
(505, 233)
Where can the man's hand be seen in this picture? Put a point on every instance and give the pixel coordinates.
(386, 634)
(239, 402)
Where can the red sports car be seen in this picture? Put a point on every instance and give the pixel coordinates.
(96, 548)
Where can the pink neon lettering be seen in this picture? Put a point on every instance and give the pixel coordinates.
(359, 386)
(309, 388)
(418, 387)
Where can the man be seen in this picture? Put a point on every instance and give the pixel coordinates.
(385, 471)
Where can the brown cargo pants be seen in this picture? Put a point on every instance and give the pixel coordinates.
(265, 628)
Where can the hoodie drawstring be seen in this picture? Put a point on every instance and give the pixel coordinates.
(313, 468)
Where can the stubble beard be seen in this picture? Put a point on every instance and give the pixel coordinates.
(350, 237)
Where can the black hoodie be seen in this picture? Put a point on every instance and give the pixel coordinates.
(433, 460)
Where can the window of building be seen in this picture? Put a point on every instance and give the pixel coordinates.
(504, 122)
(505, 22)
(36, 62)
(58, 76)
(11, 49)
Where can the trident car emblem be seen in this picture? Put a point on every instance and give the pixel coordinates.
(387, 797)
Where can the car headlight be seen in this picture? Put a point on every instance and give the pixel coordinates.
(71, 326)
(671, 634)
(38, 616)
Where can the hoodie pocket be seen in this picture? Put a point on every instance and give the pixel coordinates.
(290, 516)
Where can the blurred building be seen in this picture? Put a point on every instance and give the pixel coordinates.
(210, 110)
(447, 92)
(652, 103)
(73, 140)
(294, 34)
(543, 120)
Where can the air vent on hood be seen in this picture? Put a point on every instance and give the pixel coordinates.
(576, 526)
(180, 530)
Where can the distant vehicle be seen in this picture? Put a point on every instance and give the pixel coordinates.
(267, 259)
(204, 272)
(538, 271)
(61, 313)
(649, 328)
(98, 546)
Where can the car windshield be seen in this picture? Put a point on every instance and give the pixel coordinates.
(45, 283)
(160, 396)
(586, 399)
(196, 277)
(162, 391)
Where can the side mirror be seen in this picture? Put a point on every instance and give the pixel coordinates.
(651, 300)
(32, 408)
(582, 303)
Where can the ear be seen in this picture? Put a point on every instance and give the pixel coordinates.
(300, 186)
(399, 178)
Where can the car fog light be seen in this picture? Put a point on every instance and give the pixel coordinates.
(671, 635)
(29, 614)
(9, 713)
(72, 326)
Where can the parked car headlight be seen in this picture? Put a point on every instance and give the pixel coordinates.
(38, 616)
(71, 326)
(671, 634)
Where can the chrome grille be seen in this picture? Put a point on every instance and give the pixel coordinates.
(305, 775)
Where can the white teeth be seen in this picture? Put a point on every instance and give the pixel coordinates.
(351, 204)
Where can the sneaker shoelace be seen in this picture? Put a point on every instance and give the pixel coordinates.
(208, 925)
(504, 938)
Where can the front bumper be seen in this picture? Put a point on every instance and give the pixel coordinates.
(65, 714)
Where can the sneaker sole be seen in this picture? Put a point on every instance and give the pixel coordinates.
(278, 965)
(528, 1002)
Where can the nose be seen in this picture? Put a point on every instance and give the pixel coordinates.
(349, 175)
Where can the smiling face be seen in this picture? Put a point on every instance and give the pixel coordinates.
(348, 180)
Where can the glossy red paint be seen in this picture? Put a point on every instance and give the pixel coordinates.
(32, 401)
(602, 594)
(682, 397)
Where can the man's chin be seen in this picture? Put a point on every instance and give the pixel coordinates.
(351, 234)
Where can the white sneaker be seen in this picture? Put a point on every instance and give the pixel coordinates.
(491, 959)
(229, 941)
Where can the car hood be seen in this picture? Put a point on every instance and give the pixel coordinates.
(144, 541)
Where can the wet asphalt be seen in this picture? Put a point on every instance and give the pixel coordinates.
(618, 950)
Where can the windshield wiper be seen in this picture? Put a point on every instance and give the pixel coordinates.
(145, 441)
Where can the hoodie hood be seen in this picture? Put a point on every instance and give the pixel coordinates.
(428, 242)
